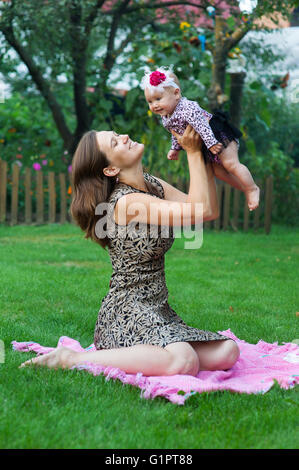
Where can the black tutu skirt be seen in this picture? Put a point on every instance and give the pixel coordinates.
(224, 131)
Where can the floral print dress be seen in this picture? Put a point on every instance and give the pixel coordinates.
(136, 310)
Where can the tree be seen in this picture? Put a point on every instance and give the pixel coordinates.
(83, 40)
(229, 32)
(57, 37)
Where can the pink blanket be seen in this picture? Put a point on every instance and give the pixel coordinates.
(255, 371)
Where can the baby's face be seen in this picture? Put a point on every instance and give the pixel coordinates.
(162, 102)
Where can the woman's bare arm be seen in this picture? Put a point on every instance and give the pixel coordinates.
(177, 209)
(212, 193)
(173, 194)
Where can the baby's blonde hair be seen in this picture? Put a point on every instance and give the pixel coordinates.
(175, 79)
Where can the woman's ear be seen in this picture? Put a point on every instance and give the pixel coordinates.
(111, 171)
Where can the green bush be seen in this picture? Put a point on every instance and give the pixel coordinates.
(286, 181)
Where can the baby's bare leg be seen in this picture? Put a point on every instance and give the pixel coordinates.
(222, 174)
(230, 160)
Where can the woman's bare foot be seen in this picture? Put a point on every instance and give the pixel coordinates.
(253, 197)
(60, 357)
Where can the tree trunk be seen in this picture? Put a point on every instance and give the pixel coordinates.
(41, 83)
(216, 92)
(236, 92)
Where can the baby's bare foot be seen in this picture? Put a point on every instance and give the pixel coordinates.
(253, 197)
(60, 357)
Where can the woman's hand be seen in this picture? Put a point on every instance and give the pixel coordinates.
(190, 140)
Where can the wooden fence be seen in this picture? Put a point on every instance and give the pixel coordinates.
(234, 210)
(52, 197)
(46, 209)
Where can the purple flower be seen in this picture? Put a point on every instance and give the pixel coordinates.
(44, 162)
(69, 168)
(36, 166)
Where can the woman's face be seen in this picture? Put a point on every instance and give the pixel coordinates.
(120, 150)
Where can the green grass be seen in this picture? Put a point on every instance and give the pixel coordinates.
(52, 283)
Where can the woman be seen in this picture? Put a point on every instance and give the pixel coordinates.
(136, 330)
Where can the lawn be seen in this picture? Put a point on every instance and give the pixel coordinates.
(52, 283)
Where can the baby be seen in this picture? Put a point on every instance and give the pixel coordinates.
(163, 94)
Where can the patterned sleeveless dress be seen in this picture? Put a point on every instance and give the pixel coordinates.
(136, 310)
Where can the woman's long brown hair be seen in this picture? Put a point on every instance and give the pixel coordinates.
(90, 186)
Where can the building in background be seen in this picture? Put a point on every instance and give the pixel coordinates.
(284, 40)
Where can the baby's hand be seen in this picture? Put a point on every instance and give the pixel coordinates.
(217, 148)
(173, 154)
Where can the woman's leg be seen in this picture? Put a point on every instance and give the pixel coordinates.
(230, 160)
(216, 355)
(175, 358)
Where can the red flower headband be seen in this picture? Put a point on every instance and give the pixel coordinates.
(159, 79)
(156, 78)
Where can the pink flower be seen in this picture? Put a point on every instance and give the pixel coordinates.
(90, 89)
(69, 169)
(19, 155)
(44, 162)
(36, 166)
(157, 77)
